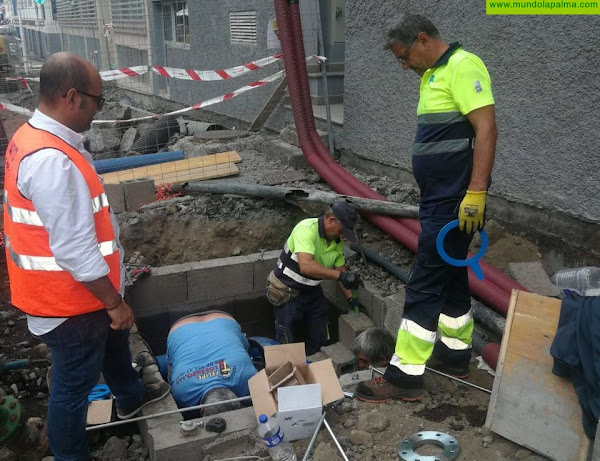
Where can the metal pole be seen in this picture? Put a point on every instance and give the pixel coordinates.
(164, 413)
(446, 375)
(460, 380)
(23, 41)
(324, 74)
(335, 440)
(314, 438)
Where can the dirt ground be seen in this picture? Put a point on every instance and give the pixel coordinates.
(218, 226)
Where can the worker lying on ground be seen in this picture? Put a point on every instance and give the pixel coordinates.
(208, 361)
(312, 253)
(373, 347)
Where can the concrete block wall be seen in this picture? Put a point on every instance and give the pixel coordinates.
(384, 311)
(229, 284)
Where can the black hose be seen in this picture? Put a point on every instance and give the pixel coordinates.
(385, 263)
(157, 136)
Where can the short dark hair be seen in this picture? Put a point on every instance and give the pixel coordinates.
(405, 29)
(374, 343)
(60, 73)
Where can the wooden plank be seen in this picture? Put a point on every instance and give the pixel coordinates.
(199, 174)
(159, 170)
(269, 106)
(530, 405)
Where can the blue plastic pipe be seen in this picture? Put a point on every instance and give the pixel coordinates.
(124, 163)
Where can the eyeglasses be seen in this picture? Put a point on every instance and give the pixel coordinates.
(99, 99)
(402, 59)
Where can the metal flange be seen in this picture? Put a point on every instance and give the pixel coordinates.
(11, 418)
(406, 448)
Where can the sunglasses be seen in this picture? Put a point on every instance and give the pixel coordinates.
(99, 99)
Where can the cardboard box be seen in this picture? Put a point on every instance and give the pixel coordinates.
(300, 409)
(323, 373)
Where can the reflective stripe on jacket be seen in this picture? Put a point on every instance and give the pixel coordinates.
(39, 286)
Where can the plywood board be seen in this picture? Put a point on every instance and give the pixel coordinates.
(530, 405)
(209, 163)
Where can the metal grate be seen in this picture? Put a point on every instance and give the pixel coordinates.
(242, 26)
(128, 15)
(76, 12)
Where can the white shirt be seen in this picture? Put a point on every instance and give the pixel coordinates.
(62, 200)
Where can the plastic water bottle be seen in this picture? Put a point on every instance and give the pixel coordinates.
(583, 280)
(270, 432)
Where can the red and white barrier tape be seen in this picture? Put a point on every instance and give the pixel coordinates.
(199, 105)
(17, 109)
(186, 74)
(209, 102)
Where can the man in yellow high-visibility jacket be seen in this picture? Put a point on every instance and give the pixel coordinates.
(452, 161)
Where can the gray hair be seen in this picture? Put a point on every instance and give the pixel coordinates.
(406, 29)
(219, 394)
(374, 343)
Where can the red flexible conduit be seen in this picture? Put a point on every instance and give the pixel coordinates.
(495, 289)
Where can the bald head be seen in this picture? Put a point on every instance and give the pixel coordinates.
(61, 72)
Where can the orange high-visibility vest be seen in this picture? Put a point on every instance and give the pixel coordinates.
(38, 285)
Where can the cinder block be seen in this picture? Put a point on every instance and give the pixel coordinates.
(265, 327)
(533, 277)
(365, 295)
(343, 359)
(394, 310)
(316, 357)
(264, 264)
(164, 438)
(252, 308)
(285, 153)
(351, 325)
(379, 310)
(220, 277)
(138, 192)
(165, 286)
(178, 311)
(116, 197)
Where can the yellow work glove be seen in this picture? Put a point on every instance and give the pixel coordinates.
(470, 212)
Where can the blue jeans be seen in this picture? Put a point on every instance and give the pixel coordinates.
(304, 318)
(82, 347)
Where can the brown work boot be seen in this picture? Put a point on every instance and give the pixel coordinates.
(380, 390)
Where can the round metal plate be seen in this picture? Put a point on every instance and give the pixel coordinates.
(406, 448)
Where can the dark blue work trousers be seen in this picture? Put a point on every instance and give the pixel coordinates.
(304, 318)
(434, 286)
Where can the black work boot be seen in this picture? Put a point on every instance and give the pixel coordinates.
(451, 362)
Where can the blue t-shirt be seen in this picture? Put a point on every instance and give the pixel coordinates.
(203, 356)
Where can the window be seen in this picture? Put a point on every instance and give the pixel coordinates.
(128, 15)
(76, 12)
(242, 26)
(176, 22)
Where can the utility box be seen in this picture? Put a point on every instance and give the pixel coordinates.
(300, 409)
